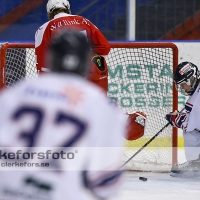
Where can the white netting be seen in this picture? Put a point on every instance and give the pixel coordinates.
(140, 79)
(20, 63)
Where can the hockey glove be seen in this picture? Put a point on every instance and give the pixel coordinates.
(98, 73)
(137, 122)
(99, 62)
(98, 68)
(171, 117)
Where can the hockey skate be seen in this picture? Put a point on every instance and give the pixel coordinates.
(187, 169)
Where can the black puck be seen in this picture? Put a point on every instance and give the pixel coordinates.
(142, 178)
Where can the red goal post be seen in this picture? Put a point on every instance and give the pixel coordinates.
(140, 79)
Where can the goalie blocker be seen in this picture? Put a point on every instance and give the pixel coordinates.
(98, 72)
(137, 122)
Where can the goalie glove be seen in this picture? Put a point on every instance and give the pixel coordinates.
(137, 123)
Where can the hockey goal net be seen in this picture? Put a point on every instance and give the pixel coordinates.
(140, 79)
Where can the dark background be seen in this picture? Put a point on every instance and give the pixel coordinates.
(155, 19)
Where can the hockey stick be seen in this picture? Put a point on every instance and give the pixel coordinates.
(147, 143)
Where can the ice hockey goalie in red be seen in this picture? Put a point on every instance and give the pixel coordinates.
(60, 16)
(137, 123)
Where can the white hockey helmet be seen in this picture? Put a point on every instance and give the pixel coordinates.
(54, 4)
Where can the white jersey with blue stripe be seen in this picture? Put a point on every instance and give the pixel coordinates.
(69, 113)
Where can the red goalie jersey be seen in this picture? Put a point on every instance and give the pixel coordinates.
(99, 43)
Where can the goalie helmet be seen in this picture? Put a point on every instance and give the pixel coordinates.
(186, 72)
(54, 4)
(69, 52)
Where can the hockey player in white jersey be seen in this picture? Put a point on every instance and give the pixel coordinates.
(61, 109)
(186, 79)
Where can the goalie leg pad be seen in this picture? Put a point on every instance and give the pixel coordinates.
(98, 73)
(137, 123)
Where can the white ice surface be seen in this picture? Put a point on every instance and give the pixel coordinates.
(159, 186)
